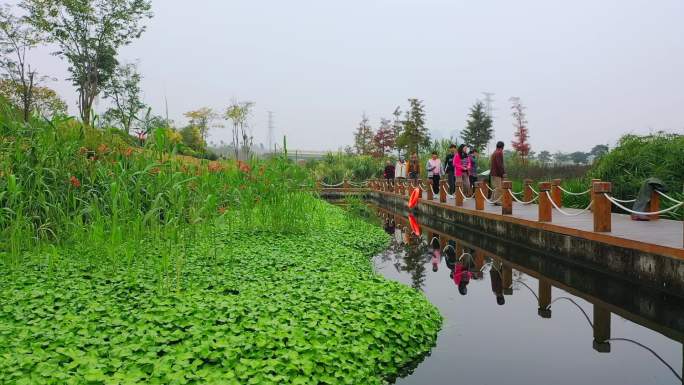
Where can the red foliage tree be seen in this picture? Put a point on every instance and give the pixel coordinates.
(384, 139)
(521, 143)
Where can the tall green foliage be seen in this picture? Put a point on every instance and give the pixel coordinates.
(414, 136)
(636, 158)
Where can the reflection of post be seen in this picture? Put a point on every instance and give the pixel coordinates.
(544, 298)
(479, 262)
(601, 329)
(459, 249)
(507, 279)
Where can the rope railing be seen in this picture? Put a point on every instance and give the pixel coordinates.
(447, 192)
(331, 185)
(553, 203)
(667, 210)
(485, 198)
(662, 194)
(465, 198)
(523, 202)
(573, 193)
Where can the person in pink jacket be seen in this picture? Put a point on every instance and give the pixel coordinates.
(462, 167)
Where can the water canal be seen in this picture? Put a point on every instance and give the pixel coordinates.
(516, 318)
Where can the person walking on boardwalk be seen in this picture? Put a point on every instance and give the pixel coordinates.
(449, 168)
(462, 167)
(497, 172)
(413, 167)
(474, 156)
(388, 173)
(400, 169)
(434, 170)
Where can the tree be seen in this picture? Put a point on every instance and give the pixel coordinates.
(414, 134)
(544, 157)
(238, 113)
(397, 126)
(521, 143)
(16, 40)
(478, 131)
(89, 34)
(579, 157)
(192, 137)
(44, 101)
(560, 157)
(599, 150)
(363, 137)
(384, 139)
(123, 88)
(202, 119)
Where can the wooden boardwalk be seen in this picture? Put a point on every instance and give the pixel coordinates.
(663, 236)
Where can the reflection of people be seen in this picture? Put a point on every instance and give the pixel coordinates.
(462, 274)
(389, 226)
(436, 257)
(450, 261)
(497, 283)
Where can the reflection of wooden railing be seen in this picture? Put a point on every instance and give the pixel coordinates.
(601, 320)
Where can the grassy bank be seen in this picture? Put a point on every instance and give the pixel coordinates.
(124, 265)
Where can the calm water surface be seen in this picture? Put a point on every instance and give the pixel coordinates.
(495, 333)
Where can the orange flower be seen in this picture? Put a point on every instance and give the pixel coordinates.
(244, 167)
(222, 210)
(128, 152)
(102, 148)
(155, 171)
(214, 167)
(75, 182)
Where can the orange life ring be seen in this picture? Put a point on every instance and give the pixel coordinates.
(413, 199)
(414, 225)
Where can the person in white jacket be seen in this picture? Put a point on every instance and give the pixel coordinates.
(400, 169)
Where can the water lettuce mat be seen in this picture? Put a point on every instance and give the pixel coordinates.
(245, 308)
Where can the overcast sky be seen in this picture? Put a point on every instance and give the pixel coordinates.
(588, 71)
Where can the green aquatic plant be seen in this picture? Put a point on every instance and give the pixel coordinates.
(266, 308)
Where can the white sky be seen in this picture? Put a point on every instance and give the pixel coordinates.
(588, 71)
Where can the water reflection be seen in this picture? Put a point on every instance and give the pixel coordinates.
(521, 343)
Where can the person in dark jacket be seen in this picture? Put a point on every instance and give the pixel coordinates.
(497, 172)
(389, 172)
(474, 157)
(414, 168)
(449, 169)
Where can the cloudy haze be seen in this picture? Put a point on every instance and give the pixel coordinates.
(588, 71)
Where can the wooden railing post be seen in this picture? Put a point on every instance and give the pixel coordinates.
(318, 185)
(591, 192)
(654, 206)
(430, 195)
(556, 192)
(442, 191)
(479, 195)
(544, 299)
(507, 198)
(602, 207)
(345, 184)
(457, 194)
(528, 194)
(544, 202)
